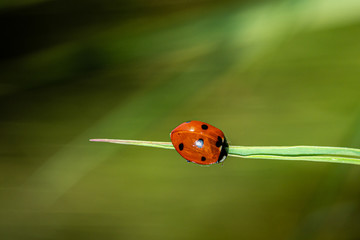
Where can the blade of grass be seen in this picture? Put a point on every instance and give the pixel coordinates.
(329, 159)
(293, 153)
(166, 145)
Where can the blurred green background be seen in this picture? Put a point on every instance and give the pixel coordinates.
(265, 72)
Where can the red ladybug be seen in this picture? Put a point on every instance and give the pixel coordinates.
(200, 142)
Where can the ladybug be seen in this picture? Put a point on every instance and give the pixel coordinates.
(200, 143)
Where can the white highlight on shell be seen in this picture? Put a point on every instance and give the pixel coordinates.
(199, 143)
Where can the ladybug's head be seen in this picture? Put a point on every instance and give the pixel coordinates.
(224, 151)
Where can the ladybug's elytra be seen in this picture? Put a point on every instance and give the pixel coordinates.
(200, 142)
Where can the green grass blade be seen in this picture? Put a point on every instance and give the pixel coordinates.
(299, 153)
(293, 153)
(329, 159)
(166, 145)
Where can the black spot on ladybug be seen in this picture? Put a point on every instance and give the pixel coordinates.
(187, 121)
(204, 126)
(181, 146)
(219, 142)
(203, 158)
(199, 143)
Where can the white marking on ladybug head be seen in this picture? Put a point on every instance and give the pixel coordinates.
(223, 158)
